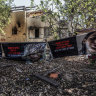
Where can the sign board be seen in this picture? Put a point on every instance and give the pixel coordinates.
(18, 50)
(77, 45)
(64, 47)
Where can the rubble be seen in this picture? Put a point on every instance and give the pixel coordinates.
(76, 78)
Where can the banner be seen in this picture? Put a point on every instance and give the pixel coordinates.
(19, 50)
(77, 45)
(86, 43)
(0, 51)
(64, 47)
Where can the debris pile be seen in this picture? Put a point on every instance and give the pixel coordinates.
(75, 78)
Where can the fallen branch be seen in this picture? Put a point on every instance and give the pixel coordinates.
(48, 80)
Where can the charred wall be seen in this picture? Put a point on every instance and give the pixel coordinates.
(15, 31)
(25, 27)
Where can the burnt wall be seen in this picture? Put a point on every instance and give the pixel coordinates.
(15, 31)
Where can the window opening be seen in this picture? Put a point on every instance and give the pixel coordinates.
(37, 33)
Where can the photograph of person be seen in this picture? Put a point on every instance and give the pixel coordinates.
(89, 43)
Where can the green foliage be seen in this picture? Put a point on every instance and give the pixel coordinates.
(84, 10)
(32, 3)
(43, 18)
(4, 13)
(51, 14)
(79, 13)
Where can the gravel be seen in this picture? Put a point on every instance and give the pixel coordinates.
(77, 77)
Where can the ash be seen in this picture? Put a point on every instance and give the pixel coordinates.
(77, 77)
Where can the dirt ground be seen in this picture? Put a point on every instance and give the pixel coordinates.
(77, 77)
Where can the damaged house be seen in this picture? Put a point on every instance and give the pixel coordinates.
(26, 26)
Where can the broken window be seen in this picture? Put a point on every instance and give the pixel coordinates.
(37, 33)
(34, 32)
(14, 30)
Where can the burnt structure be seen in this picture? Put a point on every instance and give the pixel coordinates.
(25, 26)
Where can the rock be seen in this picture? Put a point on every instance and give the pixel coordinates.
(19, 70)
(68, 77)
